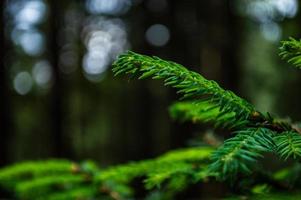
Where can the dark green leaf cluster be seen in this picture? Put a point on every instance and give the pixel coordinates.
(291, 51)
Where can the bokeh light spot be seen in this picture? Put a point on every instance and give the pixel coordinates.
(271, 10)
(104, 40)
(32, 12)
(23, 83)
(288, 8)
(112, 7)
(95, 62)
(42, 73)
(32, 42)
(157, 35)
(271, 31)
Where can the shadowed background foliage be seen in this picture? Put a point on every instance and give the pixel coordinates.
(58, 96)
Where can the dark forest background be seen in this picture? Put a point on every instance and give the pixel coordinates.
(58, 97)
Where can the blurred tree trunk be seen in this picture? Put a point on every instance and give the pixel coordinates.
(56, 17)
(220, 38)
(137, 126)
(230, 47)
(5, 128)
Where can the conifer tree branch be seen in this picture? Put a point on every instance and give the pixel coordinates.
(190, 84)
(204, 92)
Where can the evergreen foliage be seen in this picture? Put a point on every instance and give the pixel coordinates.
(188, 83)
(254, 134)
(289, 144)
(240, 152)
(61, 179)
(291, 51)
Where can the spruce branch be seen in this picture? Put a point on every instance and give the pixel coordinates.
(239, 153)
(208, 94)
(290, 50)
(188, 83)
(288, 144)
